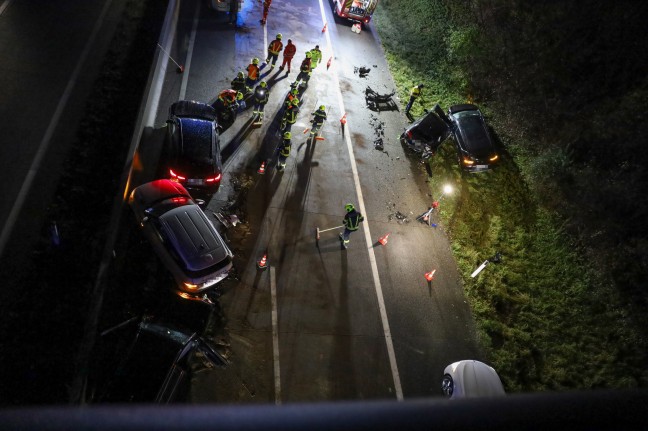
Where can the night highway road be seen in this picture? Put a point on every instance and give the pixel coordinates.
(321, 323)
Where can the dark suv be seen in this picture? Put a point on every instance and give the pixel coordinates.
(192, 153)
(475, 149)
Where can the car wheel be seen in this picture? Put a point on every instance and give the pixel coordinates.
(447, 385)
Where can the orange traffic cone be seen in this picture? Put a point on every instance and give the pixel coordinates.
(429, 276)
(343, 119)
(263, 263)
(261, 168)
(383, 239)
(324, 28)
(328, 63)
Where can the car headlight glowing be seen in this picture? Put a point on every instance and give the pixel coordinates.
(493, 158)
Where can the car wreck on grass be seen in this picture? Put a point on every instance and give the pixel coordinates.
(476, 150)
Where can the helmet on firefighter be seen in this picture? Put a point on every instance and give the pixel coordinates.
(255, 61)
(287, 135)
(349, 207)
(278, 36)
(240, 74)
(239, 95)
(322, 108)
(294, 91)
(308, 54)
(294, 102)
(263, 84)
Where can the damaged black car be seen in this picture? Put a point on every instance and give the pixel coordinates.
(476, 150)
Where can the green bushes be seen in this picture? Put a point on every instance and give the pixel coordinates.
(562, 86)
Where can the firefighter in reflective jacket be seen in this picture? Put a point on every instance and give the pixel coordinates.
(238, 83)
(290, 116)
(293, 95)
(284, 151)
(316, 56)
(305, 69)
(319, 117)
(253, 72)
(274, 49)
(261, 94)
(351, 223)
(415, 93)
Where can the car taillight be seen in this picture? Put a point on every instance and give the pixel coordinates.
(213, 179)
(180, 200)
(495, 157)
(408, 134)
(175, 176)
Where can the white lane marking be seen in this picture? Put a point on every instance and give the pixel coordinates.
(4, 6)
(192, 40)
(49, 132)
(372, 256)
(275, 337)
(153, 101)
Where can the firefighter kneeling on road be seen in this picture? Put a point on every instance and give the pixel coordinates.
(351, 223)
(238, 83)
(290, 116)
(261, 94)
(228, 100)
(319, 117)
(284, 151)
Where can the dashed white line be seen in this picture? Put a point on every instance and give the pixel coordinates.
(372, 257)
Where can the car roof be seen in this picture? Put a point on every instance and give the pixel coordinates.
(197, 135)
(193, 109)
(474, 379)
(473, 131)
(194, 238)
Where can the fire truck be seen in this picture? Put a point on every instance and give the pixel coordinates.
(354, 10)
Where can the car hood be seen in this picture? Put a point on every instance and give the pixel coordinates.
(194, 237)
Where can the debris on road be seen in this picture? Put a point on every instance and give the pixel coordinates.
(399, 216)
(380, 102)
(361, 71)
(379, 131)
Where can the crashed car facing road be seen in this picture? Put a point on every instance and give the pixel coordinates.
(192, 153)
(182, 236)
(427, 133)
(475, 148)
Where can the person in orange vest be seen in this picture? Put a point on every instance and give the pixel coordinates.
(253, 72)
(266, 7)
(288, 55)
(274, 49)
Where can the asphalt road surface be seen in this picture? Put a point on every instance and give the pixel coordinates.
(321, 323)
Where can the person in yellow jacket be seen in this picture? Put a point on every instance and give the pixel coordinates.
(316, 56)
(415, 93)
(274, 49)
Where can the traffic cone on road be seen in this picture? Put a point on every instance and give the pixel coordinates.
(261, 168)
(429, 276)
(263, 263)
(324, 28)
(328, 63)
(383, 239)
(343, 119)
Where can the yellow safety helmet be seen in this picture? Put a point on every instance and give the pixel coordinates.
(349, 207)
(278, 36)
(241, 74)
(287, 135)
(322, 108)
(308, 54)
(263, 84)
(255, 61)
(239, 95)
(294, 91)
(295, 101)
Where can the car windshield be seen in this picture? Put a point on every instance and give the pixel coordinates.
(473, 131)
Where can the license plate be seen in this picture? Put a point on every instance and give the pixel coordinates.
(481, 166)
(195, 182)
(354, 10)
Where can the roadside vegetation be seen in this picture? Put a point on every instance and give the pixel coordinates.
(563, 86)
